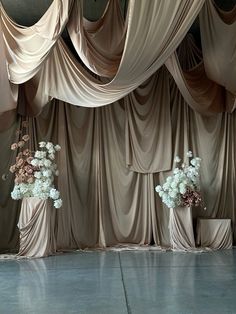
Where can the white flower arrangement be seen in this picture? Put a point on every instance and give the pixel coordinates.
(182, 188)
(35, 171)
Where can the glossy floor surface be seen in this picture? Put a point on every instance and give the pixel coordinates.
(120, 282)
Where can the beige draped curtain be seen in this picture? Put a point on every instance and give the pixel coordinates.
(218, 30)
(100, 43)
(113, 156)
(27, 47)
(200, 92)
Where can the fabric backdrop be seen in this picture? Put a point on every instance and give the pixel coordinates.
(113, 156)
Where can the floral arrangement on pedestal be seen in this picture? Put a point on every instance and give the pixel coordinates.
(34, 171)
(182, 188)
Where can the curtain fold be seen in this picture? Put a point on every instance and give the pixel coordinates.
(9, 209)
(201, 93)
(99, 44)
(8, 91)
(28, 47)
(148, 109)
(144, 52)
(218, 30)
(113, 156)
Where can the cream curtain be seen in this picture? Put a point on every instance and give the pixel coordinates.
(147, 109)
(200, 92)
(113, 156)
(144, 52)
(218, 30)
(28, 47)
(99, 44)
(106, 203)
(9, 92)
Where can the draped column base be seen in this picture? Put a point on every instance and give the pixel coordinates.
(36, 226)
(181, 229)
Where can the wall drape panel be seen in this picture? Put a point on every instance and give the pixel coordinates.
(218, 30)
(143, 115)
(9, 209)
(9, 92)
(106, 203)
(200, 92)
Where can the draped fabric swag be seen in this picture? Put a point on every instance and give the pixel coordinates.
(113, 156)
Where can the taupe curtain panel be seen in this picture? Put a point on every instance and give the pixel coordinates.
(113, 156)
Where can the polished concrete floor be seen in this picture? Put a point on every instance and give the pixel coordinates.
(120, 282)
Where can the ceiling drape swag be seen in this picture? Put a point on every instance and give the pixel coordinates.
(200, 92)
(218, 29)
(8, 91)
(99, 44)
(144, 52)
(28, 47)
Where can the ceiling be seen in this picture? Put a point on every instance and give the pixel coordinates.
(27, 12)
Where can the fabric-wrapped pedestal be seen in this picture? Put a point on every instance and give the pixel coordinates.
(36, 226)
(181, 229)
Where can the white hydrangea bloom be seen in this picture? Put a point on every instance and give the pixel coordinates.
(177, 159)
(176, 185)
(47, 162)
(35, 162)
(40, 154)
(42, 144)
(16, 193)
(54, 194)
(49, 146)
(42, 186)
(189, 154)
(38, 174)
(57, 148)
(158, 188)
(51, 156)
(58, 203)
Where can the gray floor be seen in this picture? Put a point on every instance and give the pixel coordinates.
(120, 282)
